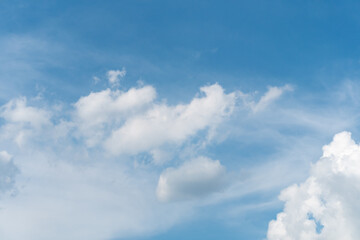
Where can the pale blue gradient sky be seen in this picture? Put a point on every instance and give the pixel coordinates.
(54, 49)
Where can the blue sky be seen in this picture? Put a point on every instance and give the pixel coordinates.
(175, 120)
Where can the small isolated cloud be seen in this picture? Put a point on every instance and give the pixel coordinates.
(8, 171)
(96, 79)
(171, 124)
(326, 205)
(114, 76)
(270, 96)
(196, 178)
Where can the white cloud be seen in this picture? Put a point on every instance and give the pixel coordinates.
(100, 107)
(196, 178)
(107, 107)
(164, 124)
(115, 75)
(124, 122)
(22, 121)
(270, 96)
(326, 205)
(17, 111)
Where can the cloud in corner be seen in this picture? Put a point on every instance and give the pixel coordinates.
(325, 206)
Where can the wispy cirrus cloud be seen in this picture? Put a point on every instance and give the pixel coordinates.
(271, 95)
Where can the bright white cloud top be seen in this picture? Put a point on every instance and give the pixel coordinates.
(162, 124)
(108, 108)
(326, 205)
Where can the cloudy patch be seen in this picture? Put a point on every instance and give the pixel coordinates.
(171, 124)
(272, 94)
(114, 76)
(17, 111)
(23, 121)
(83, 164)
(194, 179)
(108, 108)
(8, 172)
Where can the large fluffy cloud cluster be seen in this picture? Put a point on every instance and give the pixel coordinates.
(22, 121)
(326, 205)
(132, 122)
(171, 124)
(74, 164)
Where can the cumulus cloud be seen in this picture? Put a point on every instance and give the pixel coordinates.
(171, 124)
(114, 76)
(107, 107)
(8, 172)
(22, 121)
(196, 178)
(326, 205)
